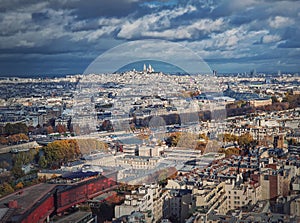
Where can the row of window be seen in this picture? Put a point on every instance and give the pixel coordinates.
(237, 202)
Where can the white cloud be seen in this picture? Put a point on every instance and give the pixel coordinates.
(202, 26)
(94, 35)
(13, 22)
(232, 43)
(151, 23)
(169, 34)
(25, 43)
(270, 38)
(207, 25)
(146, 28)
(19, 30)
(109, 21)
(280, 21)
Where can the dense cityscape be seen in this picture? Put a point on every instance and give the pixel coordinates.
(144, 146)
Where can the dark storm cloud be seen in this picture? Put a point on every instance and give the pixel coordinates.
(99, 8)
(12, 5)
(291, 38)
(57, 46)
(40, 16)
(20, 65)
(85, 25)
(241, 19)
(290, 44)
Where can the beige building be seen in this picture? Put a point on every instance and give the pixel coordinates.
(147, 150)
(138, 162)
(210, 197)
(295, 206)
(239, 195)
(260, 102)
(177, 205)
(175, 184)
(147, 199)
(217, 198)
(275, 182)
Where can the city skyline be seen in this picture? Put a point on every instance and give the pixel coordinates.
(231, 36)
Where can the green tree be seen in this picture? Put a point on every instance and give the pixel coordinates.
(6, 188)
(24, 158)
(4, 164)
(43, 162)
(17, 172)
(274, 99)
(11, 129)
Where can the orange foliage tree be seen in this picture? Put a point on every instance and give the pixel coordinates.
(61, 151)
(61, 128)
(17, 138)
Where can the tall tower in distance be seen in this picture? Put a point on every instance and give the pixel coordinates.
(150, 69)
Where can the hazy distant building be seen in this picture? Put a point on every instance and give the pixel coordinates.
(149, 69)
(260, 102)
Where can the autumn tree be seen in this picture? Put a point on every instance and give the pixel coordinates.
(61, 151)
(61, 128)
(31, 128)
(203, 136)
(106, 126)
(114, 198)
(230, 138)
(201, 146)
(245, 140)
(173, 139)
(15, 138)
(19, 185)
(49, 129)
(89, 145)
(293, 100)
(3, 140)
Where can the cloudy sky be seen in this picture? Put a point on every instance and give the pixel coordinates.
(65, 36)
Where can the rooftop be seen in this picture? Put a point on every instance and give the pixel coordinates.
(26, 198)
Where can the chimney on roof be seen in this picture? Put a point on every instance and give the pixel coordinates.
(13, 204)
